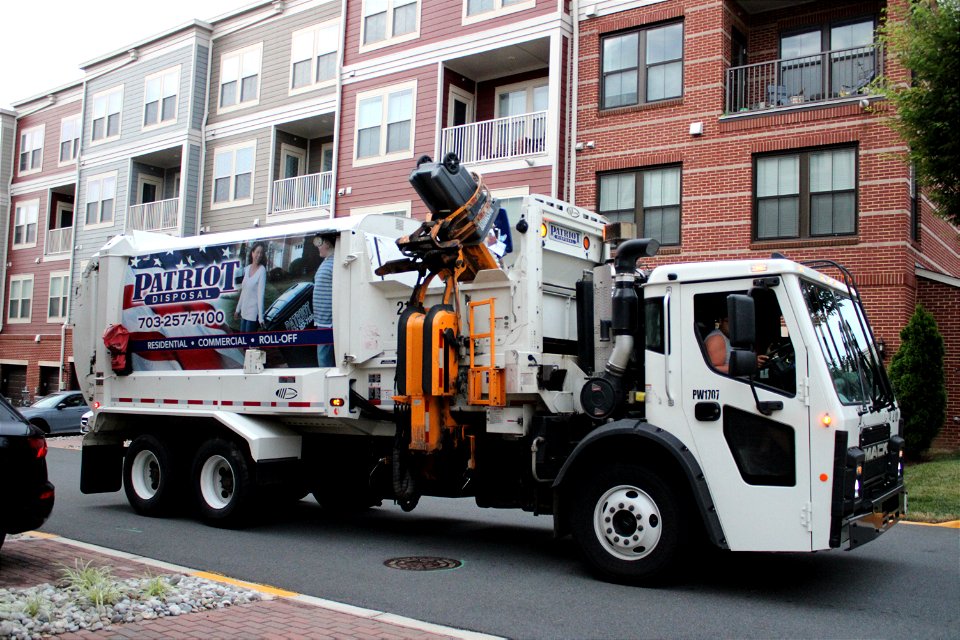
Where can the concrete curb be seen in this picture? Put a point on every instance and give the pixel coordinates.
(271, 592)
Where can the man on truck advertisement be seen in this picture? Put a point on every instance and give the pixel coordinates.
(191, 308)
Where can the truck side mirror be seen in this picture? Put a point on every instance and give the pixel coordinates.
(742, 317)
(743, 362)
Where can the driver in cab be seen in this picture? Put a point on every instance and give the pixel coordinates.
(718, 346)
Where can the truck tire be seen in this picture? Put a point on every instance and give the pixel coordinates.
(629, 524)
(150, 477)
(223, 483)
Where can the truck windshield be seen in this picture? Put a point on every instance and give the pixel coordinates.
(841, 330)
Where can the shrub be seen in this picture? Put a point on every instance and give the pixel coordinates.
(916, 372)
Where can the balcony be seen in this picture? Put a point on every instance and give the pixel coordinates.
(161, 215)
(58, 241)
(823, 77)
(302, 192)
(506, 138)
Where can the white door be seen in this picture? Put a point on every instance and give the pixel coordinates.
(754, 451)
(458, 138)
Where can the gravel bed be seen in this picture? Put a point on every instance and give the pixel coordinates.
(62, 609)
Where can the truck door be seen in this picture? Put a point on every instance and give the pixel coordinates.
(754, 451)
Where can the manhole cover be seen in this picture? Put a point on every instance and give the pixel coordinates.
(423, 563)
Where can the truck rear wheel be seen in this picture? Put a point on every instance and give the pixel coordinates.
(149, 477)
(222, 483)
(628, 524)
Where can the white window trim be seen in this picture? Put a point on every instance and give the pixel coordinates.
(176, 109)
(384, 92)
(14, 207)
(21, 278)
(65, 297)
(249, 103)
(43, 139)
(406, 206)
(106, 138)
(528, 86)
(79, 119)
(146, 178)
(313, 86)
(233, 177)
(389, 40)
(297, 152)
(116, 199)
(496, 12)
(510, 192)
(465, 97)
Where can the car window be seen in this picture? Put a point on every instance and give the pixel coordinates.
(8, 413)
(48, 402)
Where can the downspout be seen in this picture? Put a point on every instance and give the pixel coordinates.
(335, 168)
(575, 81)
(203, 138)
(73, 245)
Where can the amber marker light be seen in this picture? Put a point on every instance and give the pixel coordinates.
(586, 243)
(336, 402)
(543, 230)
(758, 268)
(826, 420)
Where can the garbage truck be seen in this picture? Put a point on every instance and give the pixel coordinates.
(539, 358)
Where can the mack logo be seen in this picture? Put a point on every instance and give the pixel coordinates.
(286, 393)
(875, 451)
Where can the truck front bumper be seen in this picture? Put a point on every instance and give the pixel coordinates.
(883, 512)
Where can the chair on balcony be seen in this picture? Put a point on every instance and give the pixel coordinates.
(777, 95)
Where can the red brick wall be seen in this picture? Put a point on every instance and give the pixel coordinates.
(25, 347)
(943, 301)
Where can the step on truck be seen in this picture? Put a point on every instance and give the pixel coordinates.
(528, 359)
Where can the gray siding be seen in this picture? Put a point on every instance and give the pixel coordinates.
(191, 197)
(242, 216)
(7, 143)
(200, 87)
(276, 36)
(133, 77)
(89, 241)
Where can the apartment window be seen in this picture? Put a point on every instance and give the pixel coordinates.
(240, 77)
(106, 114)
(25, 219)
(388, 21)
(101, 194)
(233, 174)
(57, 299)
(490, 8)
(852, 61)
(313, 56)
(806, 194)
(69, 139)
(31, 150)
(649, 198)
(642, 66)
(160, 97)
(385, 124)
(21, 298)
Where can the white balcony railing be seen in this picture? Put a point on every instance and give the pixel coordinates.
(58, 241)
(154, 216)
(499, 139)
(825, 76)
(302, 192)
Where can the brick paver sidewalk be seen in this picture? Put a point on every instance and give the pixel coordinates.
(29, 560)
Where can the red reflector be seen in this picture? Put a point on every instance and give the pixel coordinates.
(336, 402)
(96, 405)
(39, 445)
(47, 495)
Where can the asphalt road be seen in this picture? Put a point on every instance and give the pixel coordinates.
(517, 581)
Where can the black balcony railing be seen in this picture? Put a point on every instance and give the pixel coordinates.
(828, 75)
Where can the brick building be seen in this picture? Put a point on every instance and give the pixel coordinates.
(724, 128)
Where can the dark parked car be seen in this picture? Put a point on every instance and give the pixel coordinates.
(26, 496)
(57, 413)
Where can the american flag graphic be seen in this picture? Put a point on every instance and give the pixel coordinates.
(148, 322)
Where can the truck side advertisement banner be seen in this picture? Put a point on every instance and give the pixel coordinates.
(202, 307)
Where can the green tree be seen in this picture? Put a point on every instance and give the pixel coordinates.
(916, 372)
(927, 43)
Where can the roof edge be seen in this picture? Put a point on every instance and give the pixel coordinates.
(154, 38)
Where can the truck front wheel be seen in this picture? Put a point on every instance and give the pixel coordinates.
(149, 477)
(628, 524)
(222, 482)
